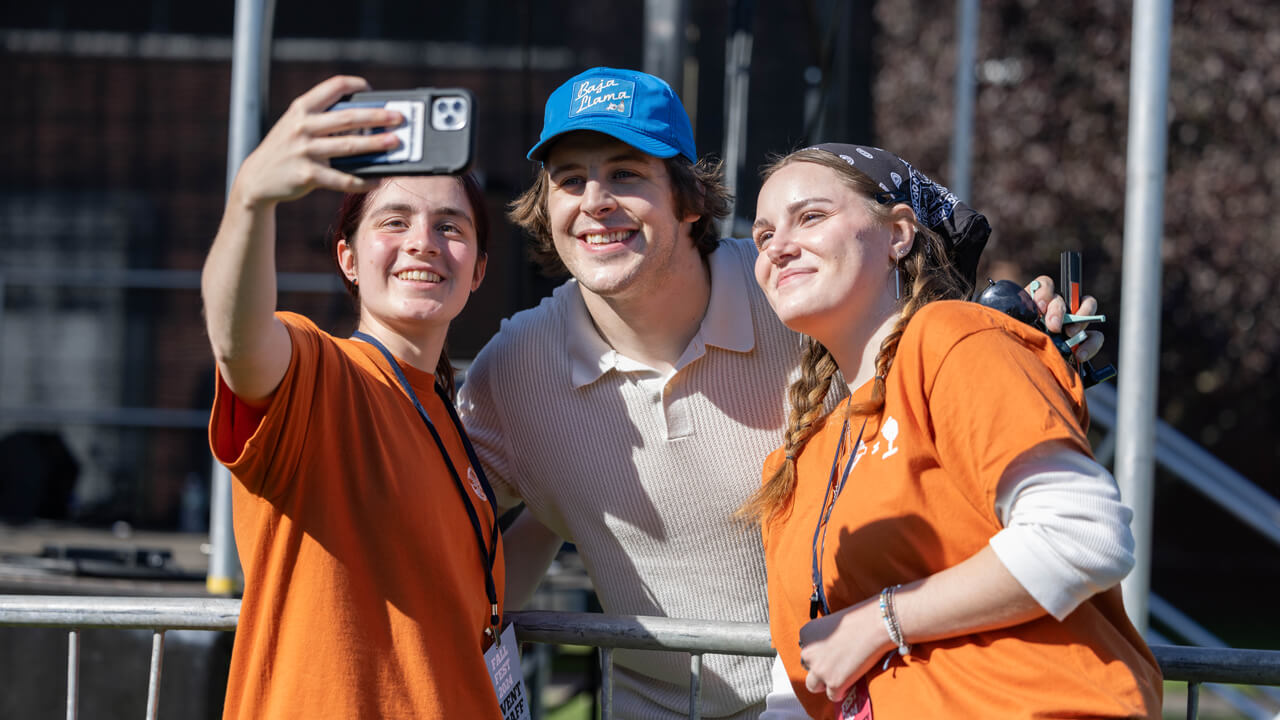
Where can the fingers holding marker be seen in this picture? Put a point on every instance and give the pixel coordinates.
(1085, 343)
(1085, 314)
(1056, 315)
(1088, 346)
(1051, 305)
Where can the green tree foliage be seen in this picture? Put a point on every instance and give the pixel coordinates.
(1049, 160)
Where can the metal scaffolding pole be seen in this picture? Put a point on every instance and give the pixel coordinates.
(664, 41)
(965, 89)
(250, 64)
(1140, 283)
(737, 82)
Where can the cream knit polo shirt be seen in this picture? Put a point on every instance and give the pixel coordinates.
(643, 471)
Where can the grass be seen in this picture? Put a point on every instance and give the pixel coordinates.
(578, 708)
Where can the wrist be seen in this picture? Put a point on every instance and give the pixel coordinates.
(861, 625)
(887, 605)
(246, 200)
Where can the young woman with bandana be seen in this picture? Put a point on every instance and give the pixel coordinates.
(942, 543)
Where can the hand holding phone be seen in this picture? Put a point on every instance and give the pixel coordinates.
(436, 138)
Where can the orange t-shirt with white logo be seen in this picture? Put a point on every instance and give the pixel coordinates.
(970, 390)
(364, 583)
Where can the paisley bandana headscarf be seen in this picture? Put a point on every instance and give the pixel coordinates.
(964, 229)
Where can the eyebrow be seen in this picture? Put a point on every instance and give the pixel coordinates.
(445, 211)
(391, 208)
(628, 155)
(453, 212)
(791, 209)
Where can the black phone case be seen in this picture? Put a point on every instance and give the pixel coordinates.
(444, 151)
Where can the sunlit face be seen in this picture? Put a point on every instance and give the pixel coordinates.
(415, 259)
(613, 215)
(825, 260)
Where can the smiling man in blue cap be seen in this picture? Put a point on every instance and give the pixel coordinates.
(631, 410)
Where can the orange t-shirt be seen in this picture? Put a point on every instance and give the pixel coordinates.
(970, 390)
(364, 583)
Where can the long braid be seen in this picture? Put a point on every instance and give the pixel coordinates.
(808, 394)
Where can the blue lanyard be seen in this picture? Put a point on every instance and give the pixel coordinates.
(489, 553)
(818, 600)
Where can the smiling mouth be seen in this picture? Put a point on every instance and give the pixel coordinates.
(419, 276)
(789, 276)
(608, 238)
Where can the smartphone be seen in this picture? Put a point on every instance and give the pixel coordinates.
(436, 138)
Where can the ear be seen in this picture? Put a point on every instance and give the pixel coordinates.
(902, 231)
(346, 259)
(477, 276)
(690, 217)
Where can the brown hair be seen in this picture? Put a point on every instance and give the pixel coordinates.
(930, 275)
(351, 212)
(698, 188)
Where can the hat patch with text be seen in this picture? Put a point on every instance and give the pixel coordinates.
(603, 95)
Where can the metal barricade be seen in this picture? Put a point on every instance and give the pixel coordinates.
(120, 613)
(1192, 665)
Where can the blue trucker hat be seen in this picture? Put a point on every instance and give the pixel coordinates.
(635, 107)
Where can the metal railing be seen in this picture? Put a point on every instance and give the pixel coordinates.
(120, 613)
(1192, 665)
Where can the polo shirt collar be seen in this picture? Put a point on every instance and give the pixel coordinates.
(726, 325)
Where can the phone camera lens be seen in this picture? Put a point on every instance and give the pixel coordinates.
(449, 113)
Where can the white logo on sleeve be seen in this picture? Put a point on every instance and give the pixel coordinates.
(890, 432)
(475, 484)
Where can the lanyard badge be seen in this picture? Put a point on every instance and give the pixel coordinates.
(488, 551)
(503, 661)
(818, 599)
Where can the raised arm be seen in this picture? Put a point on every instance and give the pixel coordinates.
(238, 284)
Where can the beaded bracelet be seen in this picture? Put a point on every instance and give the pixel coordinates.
(889, 615)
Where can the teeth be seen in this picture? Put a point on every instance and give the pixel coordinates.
(606, 238)
(421, 275)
